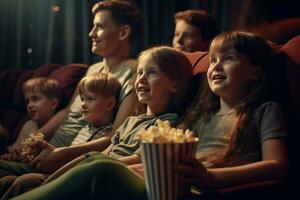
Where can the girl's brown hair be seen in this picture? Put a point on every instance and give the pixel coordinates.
(242, 125)
(177, 68)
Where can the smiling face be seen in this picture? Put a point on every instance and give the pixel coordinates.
(95, 108)
(229, 72)
(152, 86)
(104, 34)
(188, 37)
(40, 108)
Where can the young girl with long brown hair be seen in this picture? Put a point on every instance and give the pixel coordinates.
(241, 135)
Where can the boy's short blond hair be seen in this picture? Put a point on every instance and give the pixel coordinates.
(46, 86)
(104, 84)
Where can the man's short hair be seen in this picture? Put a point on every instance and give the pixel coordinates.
(123, 13)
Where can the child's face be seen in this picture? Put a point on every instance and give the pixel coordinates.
(95, 108)
(188, 37)
(228, 73)
(152, 86)
(40, 108)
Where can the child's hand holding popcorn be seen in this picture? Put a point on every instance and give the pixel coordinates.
(31, 147)
(13, 155)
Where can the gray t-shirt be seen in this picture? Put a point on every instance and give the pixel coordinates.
(91, 132)
(123, 140)
(69, 129)
(269, 123)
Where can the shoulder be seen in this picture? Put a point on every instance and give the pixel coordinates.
(130, 63)
(127, 68)
(94, 68)
(269, 108)
(270, 121)
(168, 116)
(30, 123)
(171, 117)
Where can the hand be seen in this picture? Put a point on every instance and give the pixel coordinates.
(49, 159)
(195, 174)
(137, 169)
(11, 156)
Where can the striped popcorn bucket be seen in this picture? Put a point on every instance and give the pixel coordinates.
(159, 159)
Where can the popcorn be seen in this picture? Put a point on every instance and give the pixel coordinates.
(31, 147)
(164, 148)
(164, 133)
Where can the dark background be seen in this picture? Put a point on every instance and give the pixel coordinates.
(37, 32)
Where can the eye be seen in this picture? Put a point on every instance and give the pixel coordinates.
(98, 26)
(152, 72)
(89, 98)
(229, 58)
(81, 98)
(212, 60)
(188, 35)
(35, 98)
(139, 72)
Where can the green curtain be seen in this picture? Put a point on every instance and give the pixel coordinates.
(37, 32)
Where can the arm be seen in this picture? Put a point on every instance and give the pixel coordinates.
(131, 160)
(274, 166)
(51, 158)
(64, 169)
(108, 149)
(49, 128)
(138, 169)
(126, 109)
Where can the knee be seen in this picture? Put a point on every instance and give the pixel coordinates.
(29, 181)
(107, 166)
(7, 180)
(5, 183)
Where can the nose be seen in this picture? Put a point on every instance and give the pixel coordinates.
(217, 65)
(141, 78)
(29, 105)
(178, 39)
(83, 104)
(92, 32)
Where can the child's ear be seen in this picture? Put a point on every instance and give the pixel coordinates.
(256, 73)
(54, 103)
(124, 32)
(111, 103)
(174, 87)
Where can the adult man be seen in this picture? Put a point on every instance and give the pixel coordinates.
(116, 26)
(194, 29)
